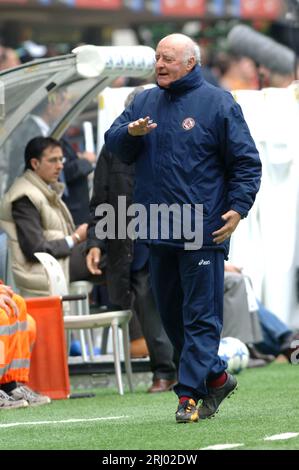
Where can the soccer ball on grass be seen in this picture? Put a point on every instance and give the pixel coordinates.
(235, 353)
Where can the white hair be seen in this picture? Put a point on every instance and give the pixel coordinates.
(192, 50)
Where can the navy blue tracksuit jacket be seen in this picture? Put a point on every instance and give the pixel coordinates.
(214, 163)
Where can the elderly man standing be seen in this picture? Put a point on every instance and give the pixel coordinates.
(192, 146)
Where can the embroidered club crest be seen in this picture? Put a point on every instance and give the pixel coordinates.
(188, 123)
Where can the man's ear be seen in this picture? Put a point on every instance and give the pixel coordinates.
(34, 163)
(191, 63)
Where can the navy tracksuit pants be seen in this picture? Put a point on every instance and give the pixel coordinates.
(188, 289)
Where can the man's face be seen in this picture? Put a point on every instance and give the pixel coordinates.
(48, 168)
(170, 64)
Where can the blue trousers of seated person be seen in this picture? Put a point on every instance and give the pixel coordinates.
(274, 330)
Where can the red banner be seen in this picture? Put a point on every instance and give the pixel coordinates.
(183, 7)
(99, 4)
(267, 9)
(13, 1)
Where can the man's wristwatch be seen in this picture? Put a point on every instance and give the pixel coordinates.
(77, 236)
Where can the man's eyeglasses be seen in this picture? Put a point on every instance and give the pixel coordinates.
(55, 160)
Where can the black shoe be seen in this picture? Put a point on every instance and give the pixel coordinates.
(187, 412)
(161, 385)
(216, 395)
(255, 354)
(256, 363)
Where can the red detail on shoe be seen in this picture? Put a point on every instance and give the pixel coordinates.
(182, 399)
(219, 381)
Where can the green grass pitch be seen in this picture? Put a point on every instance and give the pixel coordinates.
(266, 404)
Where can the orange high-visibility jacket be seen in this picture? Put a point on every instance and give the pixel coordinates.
(17, 336)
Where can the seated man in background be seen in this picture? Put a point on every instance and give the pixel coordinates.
(239, 319)
(36, 219)
(17, 337)
(265, 335)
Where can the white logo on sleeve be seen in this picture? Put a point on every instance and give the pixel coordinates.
(204, 262)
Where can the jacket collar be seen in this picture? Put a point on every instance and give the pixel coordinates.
(193, 79)
(52, 192)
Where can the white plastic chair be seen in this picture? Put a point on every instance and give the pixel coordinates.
(58, 286)
(82, 321)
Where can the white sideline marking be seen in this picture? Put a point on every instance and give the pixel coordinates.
(280, 437)
(63, 421)
(221, 446)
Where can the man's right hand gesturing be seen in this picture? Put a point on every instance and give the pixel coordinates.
(142, 126)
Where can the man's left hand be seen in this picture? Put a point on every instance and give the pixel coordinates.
(231, 219)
